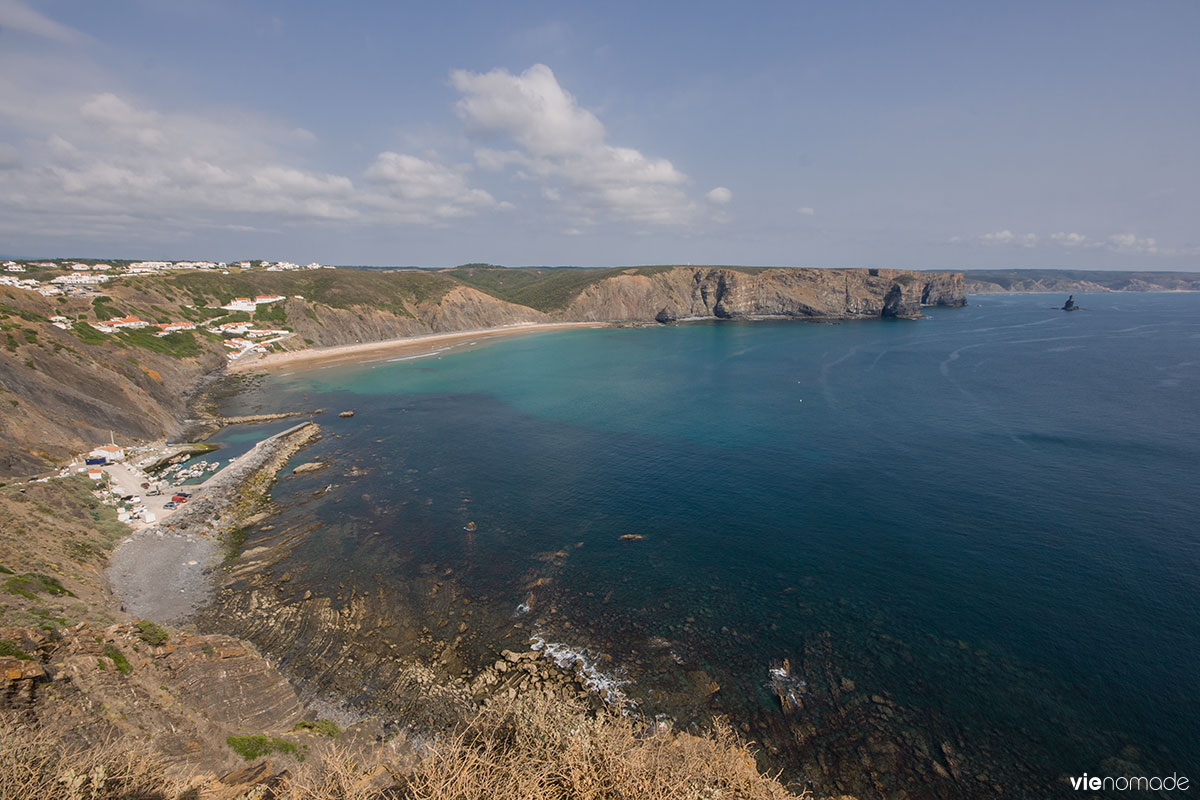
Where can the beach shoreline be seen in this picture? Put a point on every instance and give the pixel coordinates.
(427, 344)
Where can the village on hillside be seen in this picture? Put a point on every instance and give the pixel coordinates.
(84, 279)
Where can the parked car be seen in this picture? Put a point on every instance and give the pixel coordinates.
(170, 504)
(179, 499)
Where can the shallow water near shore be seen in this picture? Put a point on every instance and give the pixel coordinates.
(972, 534)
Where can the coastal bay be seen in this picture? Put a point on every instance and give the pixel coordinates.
(869, 544)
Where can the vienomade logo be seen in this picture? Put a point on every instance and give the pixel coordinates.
(1095, 783)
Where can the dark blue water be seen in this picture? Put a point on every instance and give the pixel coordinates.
(987, 517)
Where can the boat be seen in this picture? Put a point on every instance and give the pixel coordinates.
(470, 526)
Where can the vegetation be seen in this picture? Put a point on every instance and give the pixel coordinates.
(9, 649)
(87, 334)
(30, 584)
(29, 316)
(325, 727)
(152, 634)
(528, 748)
(252, 747)
(550, 289)
(177, 345)
(101, 305)
(272, 314)
(35, 762)
(543, 289)
(542, 748)
(114, 654)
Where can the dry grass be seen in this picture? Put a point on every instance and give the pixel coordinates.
(534, 748)
(35, 763)
(528, 749)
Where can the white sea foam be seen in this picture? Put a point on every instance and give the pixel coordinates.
(420, 355)
(579, 659)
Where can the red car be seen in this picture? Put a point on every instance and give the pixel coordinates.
(179, 499)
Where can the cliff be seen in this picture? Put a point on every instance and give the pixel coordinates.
(62, 391)
(1078, 281)
(676, 293)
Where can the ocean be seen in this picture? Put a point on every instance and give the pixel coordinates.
(973, 537)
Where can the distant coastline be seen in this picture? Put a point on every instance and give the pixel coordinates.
(1076, 281)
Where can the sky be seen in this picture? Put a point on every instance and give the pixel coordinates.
(917, 134)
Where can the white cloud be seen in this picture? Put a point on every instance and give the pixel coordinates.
(805, 211)
(17, 16)
(1132, 243)
(107, 164)
(720, 196)
(415, 179)
(1070, 239)
(560, 142)
(1007, 237)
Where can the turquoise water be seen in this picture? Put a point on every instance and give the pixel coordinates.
(987, 517)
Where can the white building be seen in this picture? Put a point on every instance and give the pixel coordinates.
(110, 451)
(239, 304)
(126, 322)
(79, 280)
(173, 327)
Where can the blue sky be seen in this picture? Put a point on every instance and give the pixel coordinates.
(942, 135)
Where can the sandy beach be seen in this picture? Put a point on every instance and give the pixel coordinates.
(408, 346)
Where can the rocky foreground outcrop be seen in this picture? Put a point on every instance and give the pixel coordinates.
(191, 690)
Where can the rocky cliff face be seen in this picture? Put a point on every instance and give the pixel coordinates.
(60, 393)
(693, 292)
(460, 309)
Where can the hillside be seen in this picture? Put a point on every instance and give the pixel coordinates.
(71, 371)
(1079, 281)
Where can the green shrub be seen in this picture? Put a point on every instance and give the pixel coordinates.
(151, 633)
(102, 308)
(252, 747)
(178, 345)
(30, 583)
(324, 727)
(272, 314)
(87, 334)
(12, 651)
(112, 652)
